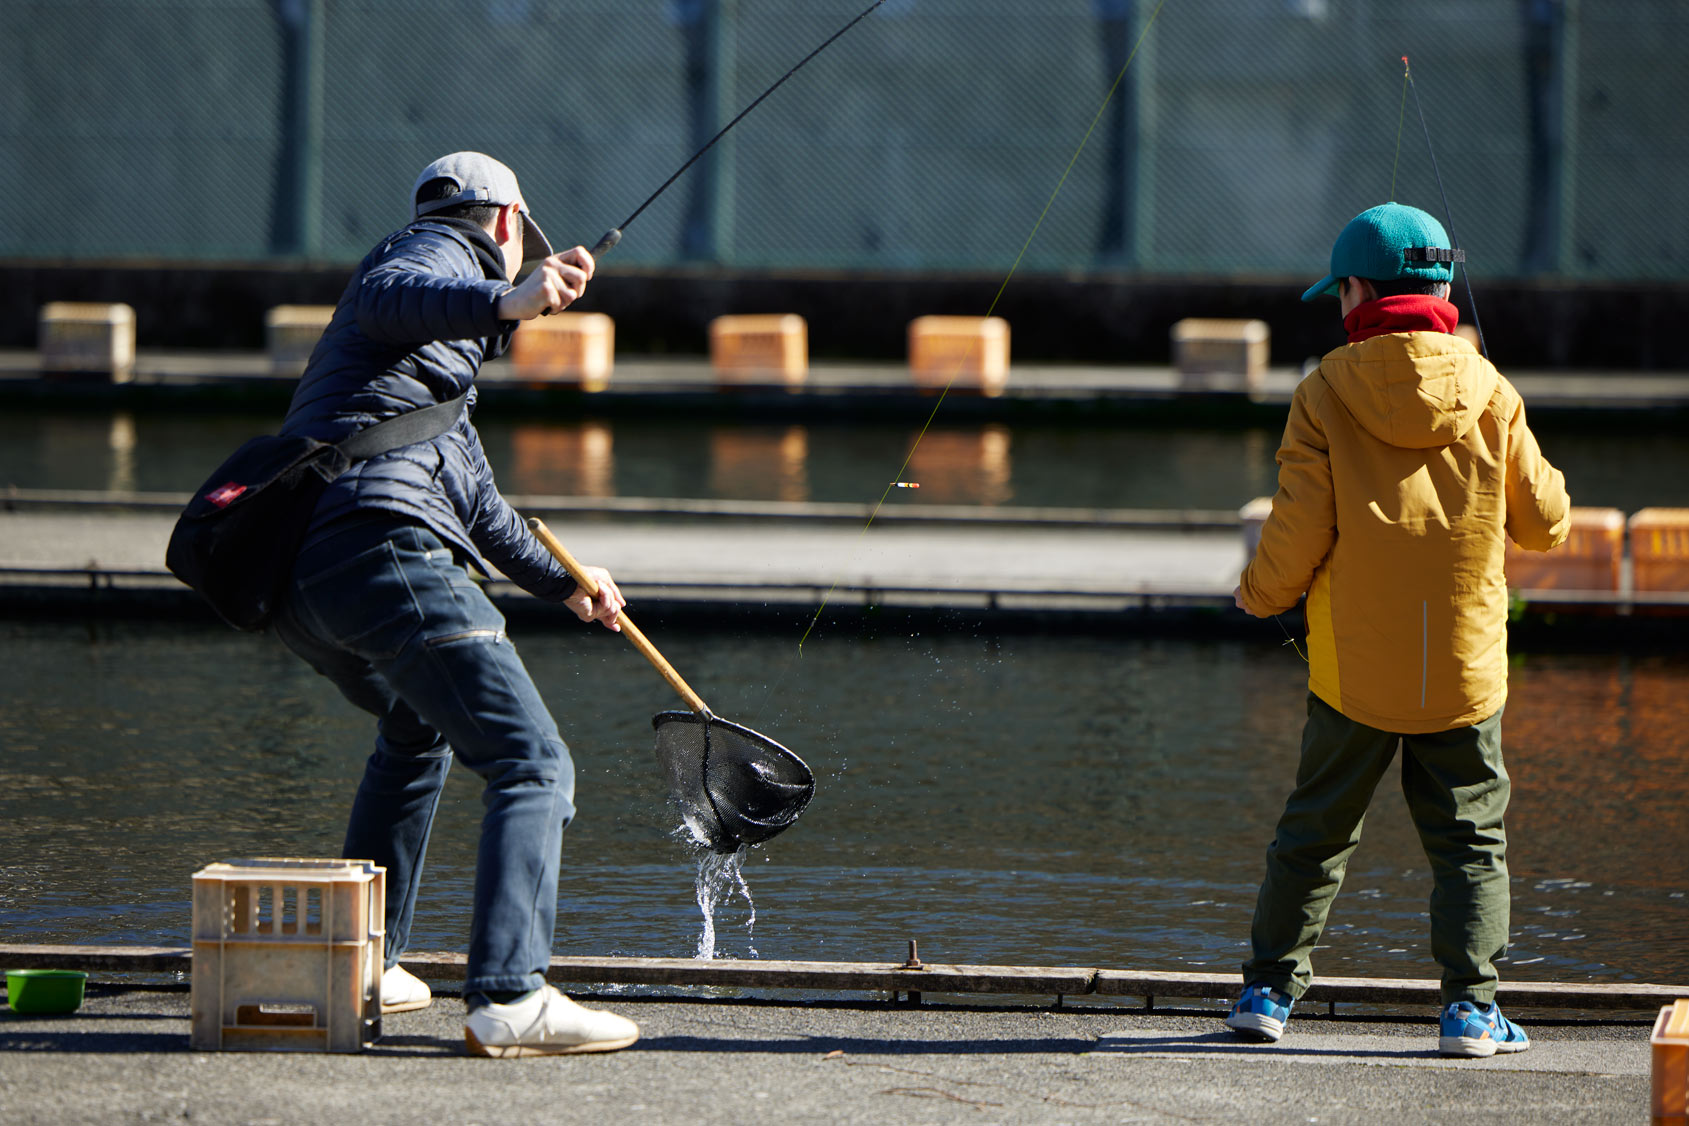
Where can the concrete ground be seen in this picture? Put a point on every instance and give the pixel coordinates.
(125, 1058)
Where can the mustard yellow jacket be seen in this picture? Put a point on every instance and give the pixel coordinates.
(1405, 463)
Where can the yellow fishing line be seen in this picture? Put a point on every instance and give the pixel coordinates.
(1083, 141)
(1289, 640)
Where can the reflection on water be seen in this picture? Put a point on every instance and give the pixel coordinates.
(120, 439)
(759, 464)
(963, 467)
(1020, 800)
(576, 461)
(107, 441)
(1082, 466)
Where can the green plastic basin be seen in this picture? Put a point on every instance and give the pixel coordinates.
(45, 991)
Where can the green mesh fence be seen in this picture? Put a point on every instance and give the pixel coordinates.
(930, 138)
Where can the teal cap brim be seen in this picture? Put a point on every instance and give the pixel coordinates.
(1326, 285)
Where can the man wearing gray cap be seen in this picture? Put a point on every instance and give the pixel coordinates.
(382, 603)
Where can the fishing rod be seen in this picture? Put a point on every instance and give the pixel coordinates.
(1448, 215)
(614, 234)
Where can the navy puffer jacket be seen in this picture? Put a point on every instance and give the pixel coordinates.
(412, 329)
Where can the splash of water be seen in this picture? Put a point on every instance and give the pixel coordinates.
(719, 876)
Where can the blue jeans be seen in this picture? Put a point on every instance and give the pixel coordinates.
(386, 613)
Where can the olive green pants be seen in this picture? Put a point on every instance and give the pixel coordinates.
(1456, 789)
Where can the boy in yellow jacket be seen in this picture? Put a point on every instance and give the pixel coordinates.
(1405, 466)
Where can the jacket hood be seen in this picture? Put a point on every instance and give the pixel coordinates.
(1416, 390)
(486, 251)
(488, 257)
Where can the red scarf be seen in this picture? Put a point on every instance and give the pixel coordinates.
(1407, 312)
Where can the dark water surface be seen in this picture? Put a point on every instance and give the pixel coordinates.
(984, 464)
(1015, 800)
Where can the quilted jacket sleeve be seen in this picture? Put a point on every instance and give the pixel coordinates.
(503, 538)
(1538, 507)
(1300, 531)
(419, 292)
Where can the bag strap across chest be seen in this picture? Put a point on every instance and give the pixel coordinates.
(412, 426)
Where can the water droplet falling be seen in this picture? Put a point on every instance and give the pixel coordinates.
(719, 876)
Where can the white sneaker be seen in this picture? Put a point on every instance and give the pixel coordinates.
(402, 991)
(545, 1023)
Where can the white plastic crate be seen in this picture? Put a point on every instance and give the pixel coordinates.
(79, 338)
(1221, 355)
(291, 333)
(287, 955)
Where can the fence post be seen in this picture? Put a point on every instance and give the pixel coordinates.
(711, 71)
(1142, 77)
(297, 228)
(1550, 36)
(1569, 41)
(1117, 27)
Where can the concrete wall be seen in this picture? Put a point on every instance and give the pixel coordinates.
(931, 138)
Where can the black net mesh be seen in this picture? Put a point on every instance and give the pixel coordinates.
(733, 786)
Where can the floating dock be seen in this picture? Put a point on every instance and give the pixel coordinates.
(689, 386)
(71, 553)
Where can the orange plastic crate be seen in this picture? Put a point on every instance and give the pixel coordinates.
(760, 348)
(1591, 558)
(962, 353)
(571, 348)
(1659, 549)
(1670, 1062)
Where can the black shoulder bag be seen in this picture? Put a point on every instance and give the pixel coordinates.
(236, 540)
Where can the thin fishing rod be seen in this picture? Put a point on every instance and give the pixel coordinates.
(1448, 216)
(614, 234)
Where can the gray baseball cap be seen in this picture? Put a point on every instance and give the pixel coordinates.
(481, 179)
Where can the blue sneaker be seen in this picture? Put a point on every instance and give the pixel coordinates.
(1472, 1030)
(1260, 1013)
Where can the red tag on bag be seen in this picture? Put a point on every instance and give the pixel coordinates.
(225, 495)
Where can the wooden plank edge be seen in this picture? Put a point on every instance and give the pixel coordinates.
(744, 973)
(116, 959)
(891, 977)
(1524, 994)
